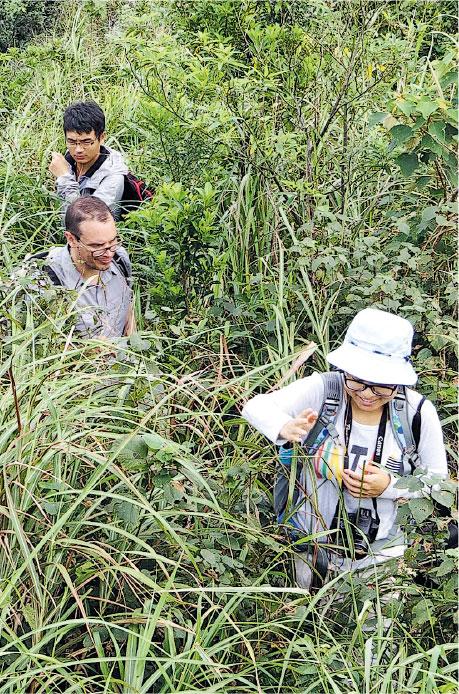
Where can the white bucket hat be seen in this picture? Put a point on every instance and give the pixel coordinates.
(377, 349)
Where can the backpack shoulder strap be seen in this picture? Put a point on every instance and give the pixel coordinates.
(52, 275)
(323, 428)
(43, 255)
(407, 430)
(416, 423)
(325, 425)
(122, 265)
(399, 419)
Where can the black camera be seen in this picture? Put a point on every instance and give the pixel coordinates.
(364, 529)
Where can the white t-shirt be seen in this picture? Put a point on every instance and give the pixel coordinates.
(269, 412)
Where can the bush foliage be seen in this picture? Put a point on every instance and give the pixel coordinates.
(21, 19)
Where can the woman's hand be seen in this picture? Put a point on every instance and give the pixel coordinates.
(366, 484)
(296, 429)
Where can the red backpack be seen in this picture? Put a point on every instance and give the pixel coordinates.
(134, 194)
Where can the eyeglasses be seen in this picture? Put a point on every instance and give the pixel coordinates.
(99, 252)
(383, 391)
(83, 143)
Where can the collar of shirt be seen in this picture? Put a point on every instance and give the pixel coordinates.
(76, 279)
(104, 154)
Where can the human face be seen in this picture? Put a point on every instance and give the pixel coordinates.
(84, 147)
(98, 237)
(368, 397)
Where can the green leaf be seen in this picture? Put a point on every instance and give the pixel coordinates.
(31, 616)
(422, 612)
(422, 182)
(424, 353)
(453, 114)
(450, 159)
(447, 566)
(55, 486)
(232, 563)
(212, 558)
(154, 441)
(427, 156)
(450, 132)
(400, 134)
(421, 509)
(405, 106)
(403, 513)
(428, 213)
(307, 669)
(449, 485)
(376, 118)
(412, 484)
(51, 507)
(418, 123)
(426, 107)
(162, 479)
(408, 163)
(437, 130)
(138, 343)
(175, 491)
(403, 226)
(451, 175)
(443, 497)
(135, 450)
(450, 78)
(127, 512)
(300, 614)
(432, 145)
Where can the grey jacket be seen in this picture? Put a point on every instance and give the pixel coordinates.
(105, 179)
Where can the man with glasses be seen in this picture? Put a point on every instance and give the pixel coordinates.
(88, 167)
(95, 264)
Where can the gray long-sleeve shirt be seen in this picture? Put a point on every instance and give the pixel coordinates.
(106, 182)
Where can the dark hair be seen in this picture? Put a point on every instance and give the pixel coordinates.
(88, 207)
(84, 116)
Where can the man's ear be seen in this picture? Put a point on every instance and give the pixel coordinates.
(102, 138)
(72, 241)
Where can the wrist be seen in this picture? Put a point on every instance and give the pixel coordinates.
(387, 483)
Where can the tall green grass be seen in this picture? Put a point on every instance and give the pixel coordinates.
(134, 556)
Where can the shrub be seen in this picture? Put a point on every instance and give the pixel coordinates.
(21, 19)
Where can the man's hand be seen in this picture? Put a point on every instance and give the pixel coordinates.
(59, 165)
(130, 326)
(296, 429)
(366, 484)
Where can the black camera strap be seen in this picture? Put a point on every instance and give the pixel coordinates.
(377, 455)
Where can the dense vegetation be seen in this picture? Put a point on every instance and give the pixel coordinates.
(303, 157)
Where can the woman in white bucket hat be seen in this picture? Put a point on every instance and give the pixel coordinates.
(355, 460)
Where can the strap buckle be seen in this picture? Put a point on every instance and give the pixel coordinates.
(332, 430)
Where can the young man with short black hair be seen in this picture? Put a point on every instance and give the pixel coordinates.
(95, 264)
(88, 167)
